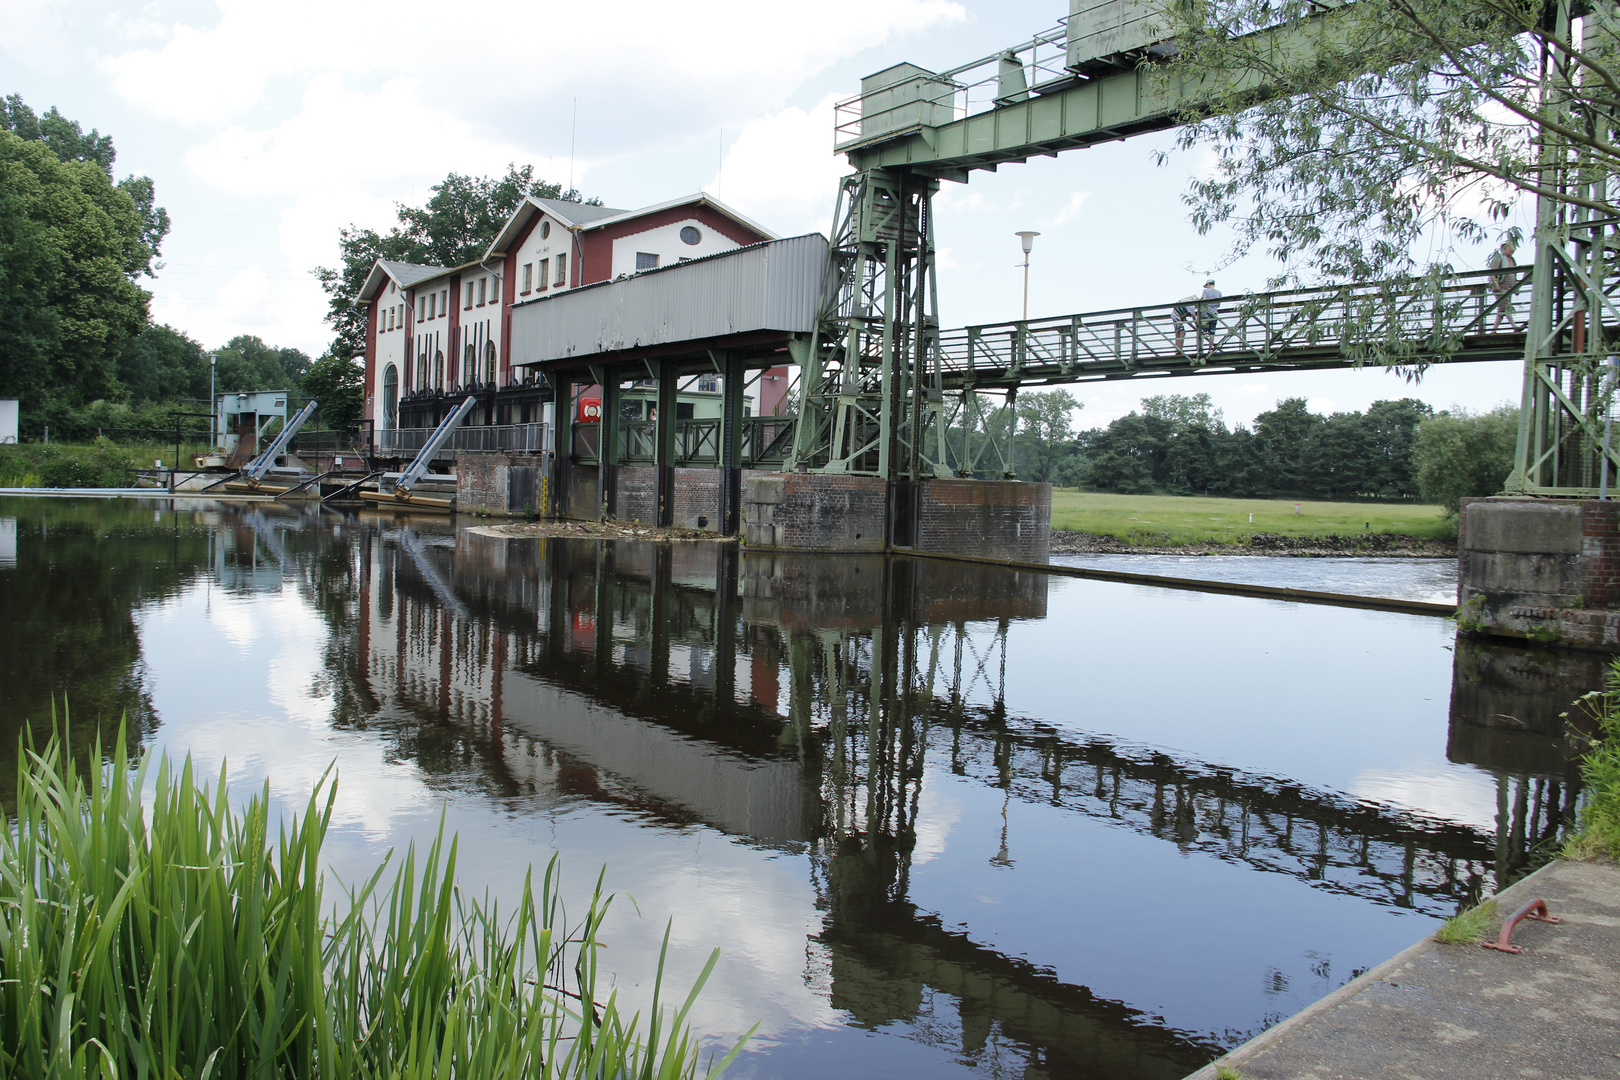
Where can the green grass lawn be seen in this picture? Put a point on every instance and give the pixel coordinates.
(1174, 519)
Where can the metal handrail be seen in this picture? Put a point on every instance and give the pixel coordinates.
(487, 438)
(1351, 320)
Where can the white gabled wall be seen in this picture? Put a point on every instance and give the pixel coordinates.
(536, 248)
(665, 242)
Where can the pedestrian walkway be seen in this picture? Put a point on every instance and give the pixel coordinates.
(1460, 1012)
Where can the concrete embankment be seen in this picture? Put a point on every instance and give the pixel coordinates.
(1461, 1012)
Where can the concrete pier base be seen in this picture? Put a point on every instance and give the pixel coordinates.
(1541, 570)
(985, 519)
(504, 485)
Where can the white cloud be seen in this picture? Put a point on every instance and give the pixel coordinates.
(781, 172)
(646, 53)
(1068, 212)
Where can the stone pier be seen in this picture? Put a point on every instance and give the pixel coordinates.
(1544, 570)
(982, 519)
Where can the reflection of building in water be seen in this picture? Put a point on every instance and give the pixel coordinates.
(249, 554)
(793, 702)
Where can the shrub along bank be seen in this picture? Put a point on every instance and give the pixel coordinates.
(49, 465)
(183, 937)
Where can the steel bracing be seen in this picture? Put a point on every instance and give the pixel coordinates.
(885, 393)
(1565, 444)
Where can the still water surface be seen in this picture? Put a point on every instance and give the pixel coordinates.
(943, 820)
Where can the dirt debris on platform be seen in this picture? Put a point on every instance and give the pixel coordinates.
(1369, 545)
(599, 530)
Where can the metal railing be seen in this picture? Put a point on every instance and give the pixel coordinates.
(1373, 323)
(489, 439)
(765, 440)
(321, 442)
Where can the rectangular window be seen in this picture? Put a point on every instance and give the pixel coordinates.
(562, 271)
(382, 323)
(483, 290)
(433, 305)
(444, 302)
(545, 267)
(709, 384)
(528, 278)
(468, 305)
(646, 260)
(421, 309)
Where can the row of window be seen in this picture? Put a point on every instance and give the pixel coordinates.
(558, 280)
(485, 293)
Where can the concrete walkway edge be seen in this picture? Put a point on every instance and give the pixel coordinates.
(1508, 901)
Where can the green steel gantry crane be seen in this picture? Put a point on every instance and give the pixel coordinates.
(874, 381)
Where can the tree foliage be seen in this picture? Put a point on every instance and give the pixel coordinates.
(1461, 455)
(455, 226)
(1179, 444)
(1341, 142)
(72, 248)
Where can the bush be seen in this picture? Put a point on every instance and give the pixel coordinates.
(1460, 455)
(40, 465)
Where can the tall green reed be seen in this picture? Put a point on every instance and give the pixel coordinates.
(1598, 835)
(180, 940)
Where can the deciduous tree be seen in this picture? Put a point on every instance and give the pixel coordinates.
(457, 225)
(1375, 124)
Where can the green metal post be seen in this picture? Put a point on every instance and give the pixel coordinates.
(731, 428)
(664, 454)
(607, 454)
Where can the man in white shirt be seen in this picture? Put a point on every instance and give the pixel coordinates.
(1207, 320)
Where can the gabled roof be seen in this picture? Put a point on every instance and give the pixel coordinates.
(585, 218)
(698, 198)
(404, 274)
(572, 214)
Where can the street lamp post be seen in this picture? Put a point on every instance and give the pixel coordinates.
(213, 403)
(1028, 239)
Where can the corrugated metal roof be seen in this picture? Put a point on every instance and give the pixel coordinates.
(769, 286)
(408, 274)
(578, 213)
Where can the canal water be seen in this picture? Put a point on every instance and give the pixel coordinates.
(941, 819)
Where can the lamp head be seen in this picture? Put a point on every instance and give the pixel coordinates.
(1028, 239)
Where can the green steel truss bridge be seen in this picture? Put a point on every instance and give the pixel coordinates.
(879, 375)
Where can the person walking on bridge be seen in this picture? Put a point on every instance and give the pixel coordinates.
(1502, 284)
(1207, 318)
(1181, 315)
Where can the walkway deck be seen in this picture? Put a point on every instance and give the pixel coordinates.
(1460, 1012)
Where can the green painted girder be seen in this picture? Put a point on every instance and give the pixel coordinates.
(1093, 110)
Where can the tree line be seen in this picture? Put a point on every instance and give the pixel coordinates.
(1176, 444)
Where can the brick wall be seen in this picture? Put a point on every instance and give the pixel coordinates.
(582, 493)
(814, 511)
(697, 499)
(484, 482)
(481, 483)
(985, 519)
(638, 493)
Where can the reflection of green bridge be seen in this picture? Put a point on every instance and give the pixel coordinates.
(791, 702)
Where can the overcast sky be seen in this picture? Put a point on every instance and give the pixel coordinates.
(269, 126)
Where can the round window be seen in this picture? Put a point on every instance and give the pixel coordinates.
(545, 229)
(690, 235)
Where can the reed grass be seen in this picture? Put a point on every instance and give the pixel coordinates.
(180, 939)
(1597, 835)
